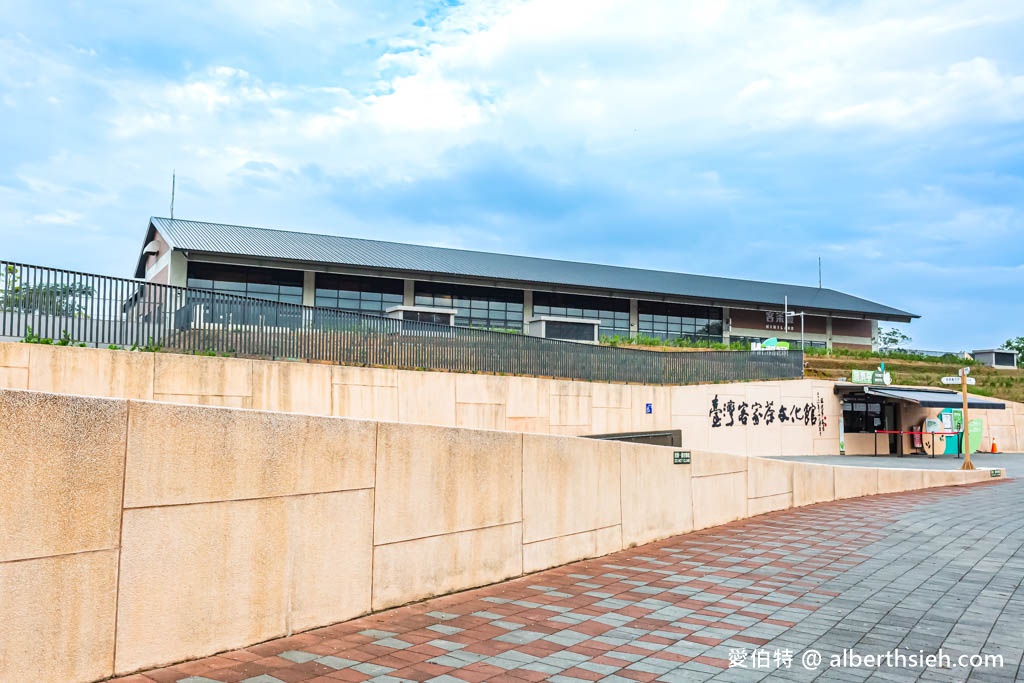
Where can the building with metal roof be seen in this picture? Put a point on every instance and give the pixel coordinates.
(547, 297)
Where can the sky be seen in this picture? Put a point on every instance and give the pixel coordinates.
(737, 138)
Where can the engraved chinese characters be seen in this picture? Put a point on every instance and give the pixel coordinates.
(731, 414)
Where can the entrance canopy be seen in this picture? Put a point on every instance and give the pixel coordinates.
(934, 398)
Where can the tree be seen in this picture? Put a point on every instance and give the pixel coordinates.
(1015, 344)
(61, 299)
(893, 339)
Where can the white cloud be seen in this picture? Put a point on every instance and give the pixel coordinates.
(610, 77)
(669, 67)
(271, 111)
(58, 217)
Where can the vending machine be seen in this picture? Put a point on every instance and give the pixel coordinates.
(952, 421)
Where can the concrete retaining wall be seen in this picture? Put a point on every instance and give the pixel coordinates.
(521, 404)
(140, 533)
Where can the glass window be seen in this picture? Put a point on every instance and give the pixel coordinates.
(356, 293)
(489, 308)
(426, 317)
(861, 417)
(267, 284)
(679, 321)
(611, 312)
(568, 331)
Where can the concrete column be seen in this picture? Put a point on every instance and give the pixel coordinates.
(726, 332)
(634, 317)
(308, 288)
(828, 332)
(409, 293)
(178, 273)
(308, 296)
(527, 305)
(874, 335)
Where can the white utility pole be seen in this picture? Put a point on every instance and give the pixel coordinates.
(793, 315)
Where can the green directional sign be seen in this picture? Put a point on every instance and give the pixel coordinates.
(681, 457)
(870, 377)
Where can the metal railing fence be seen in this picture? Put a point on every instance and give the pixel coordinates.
(98, 310)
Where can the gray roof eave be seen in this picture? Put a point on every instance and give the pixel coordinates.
(536, 285)
(243, 244)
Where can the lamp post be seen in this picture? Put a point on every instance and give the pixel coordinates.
(793, 315)
(968, 465)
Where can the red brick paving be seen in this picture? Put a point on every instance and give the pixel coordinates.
(794, 552)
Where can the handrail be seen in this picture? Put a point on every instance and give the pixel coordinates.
(99, 310)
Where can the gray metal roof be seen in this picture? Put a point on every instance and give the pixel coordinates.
(263, 243)
(934, 398)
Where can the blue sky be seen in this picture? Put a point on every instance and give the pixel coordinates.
(740, 138)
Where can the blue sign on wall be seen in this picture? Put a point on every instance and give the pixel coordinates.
(649, 409)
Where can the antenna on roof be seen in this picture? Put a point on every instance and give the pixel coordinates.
(172, 193)
(819, 272)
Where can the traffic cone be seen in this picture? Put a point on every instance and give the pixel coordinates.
(994, 449)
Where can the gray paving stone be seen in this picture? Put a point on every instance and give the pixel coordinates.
(374, 633)
(443, 616)
(336, 662)
(372, 669)
(488, 615)
(606, 669)
(544, 668)
(519, 637)
(393, 643)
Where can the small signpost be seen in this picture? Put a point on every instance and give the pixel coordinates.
(956, 380)
(680, 457)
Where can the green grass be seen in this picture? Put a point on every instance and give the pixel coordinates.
(682, 343)
(888, 356)
(1004, 384)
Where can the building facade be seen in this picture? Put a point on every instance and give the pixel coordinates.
(555, 299)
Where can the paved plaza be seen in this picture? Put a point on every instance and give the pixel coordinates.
(981, 461)
(922, 571)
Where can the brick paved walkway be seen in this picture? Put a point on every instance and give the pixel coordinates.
(920, 571)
